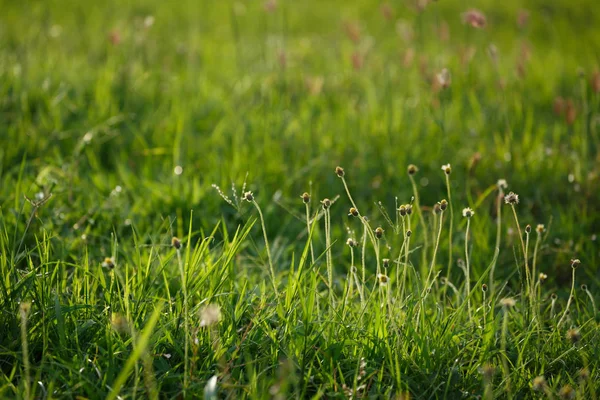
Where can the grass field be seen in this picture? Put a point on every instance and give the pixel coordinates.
(154, 237)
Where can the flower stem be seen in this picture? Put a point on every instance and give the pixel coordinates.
(560, 321)
(264, 230)
(467, 270)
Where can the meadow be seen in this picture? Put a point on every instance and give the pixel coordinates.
(299, 199)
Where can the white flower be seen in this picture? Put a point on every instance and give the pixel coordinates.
(447, 168)
(502, 184)
(511, 198)
(467, 212)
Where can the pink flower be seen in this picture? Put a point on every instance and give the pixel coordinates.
(475, 18)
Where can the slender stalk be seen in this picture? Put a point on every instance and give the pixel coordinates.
(560, 321)
(504, 354)
(587, 291)
(312, 252)
(398, 282)
(451, 226)
(355, 276)
(377, 250)
(185, 321)
(467, 270)
(530, 280)
(553, 306)
(512, 206)
(405, 261)
(24, 311)
(498, 236)
(328, 255)
(435, 250)
(417, 205)
(364, 250)
(538, 240)
(484, 308)
(264, 230)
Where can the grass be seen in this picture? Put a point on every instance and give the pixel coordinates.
(116, 120)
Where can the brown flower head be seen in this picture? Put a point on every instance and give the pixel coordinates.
(248, 196)
(305, 198)
(573, 335)
(175, 242)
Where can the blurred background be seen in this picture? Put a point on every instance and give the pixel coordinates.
(128, 112)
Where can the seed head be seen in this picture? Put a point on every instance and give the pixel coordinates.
(584, 373)
(467, 212)
(379, 232)
(573, 335)
(402, 210)
(543, 277)
(353, 212)
(408, 233)
(540, 228)
(108, 263)
(511, 198)
(575, 263)
(484, 287)
(502, 184)
(305, 198)
(437, 208)
(326, 203)
(443, 205)
(24, 309)
(119, 323)
(528, 228)
(412, 169)
(567, 392)
(508, 302)
(383, 279)
(488, 371)
(175, 242)
(386, 262)
(339, 171)
(408, 209)
(351, 242)
(447, 169)
(539, 383)
(248, 196)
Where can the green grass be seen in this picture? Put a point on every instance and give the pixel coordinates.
(100, 105)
